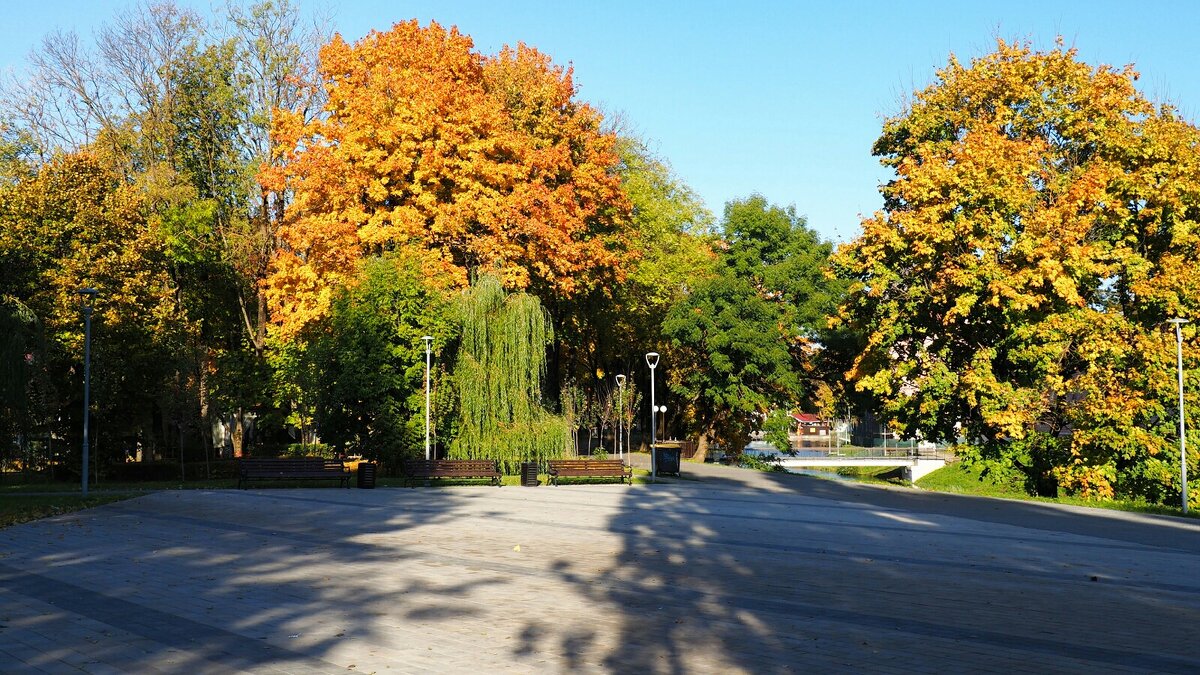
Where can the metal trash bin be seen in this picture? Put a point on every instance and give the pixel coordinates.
(529, 474)
(666, 459)
(366, 475)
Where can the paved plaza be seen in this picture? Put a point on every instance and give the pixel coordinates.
(737, 571)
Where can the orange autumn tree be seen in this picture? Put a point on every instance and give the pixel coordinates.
(487, 163)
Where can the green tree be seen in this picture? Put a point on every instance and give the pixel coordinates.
(776, 428)
(366, 361)
(607, 330)
(76, 224)
(498, 375)
(672, 236)
(743, 341)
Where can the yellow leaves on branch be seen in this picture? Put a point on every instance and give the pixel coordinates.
(1042, 219)
(487, 162)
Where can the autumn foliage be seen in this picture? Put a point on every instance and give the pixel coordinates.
(1010, 296)
(486, 162)
(1013, 291)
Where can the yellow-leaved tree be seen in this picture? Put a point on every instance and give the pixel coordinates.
(1041, 227)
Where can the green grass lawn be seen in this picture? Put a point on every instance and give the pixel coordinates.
(33, 487)
(892, 475)
(19, 508)
(13, 485)
(958, 479)
(640, 477)
(955, 477)
(23, 502)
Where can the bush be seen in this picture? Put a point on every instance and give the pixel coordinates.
(310, 450)
(765, 463)
(217, 468)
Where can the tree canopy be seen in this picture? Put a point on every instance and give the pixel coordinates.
(743, 340)
(274, 218)
(487, 161)
(1013, 290)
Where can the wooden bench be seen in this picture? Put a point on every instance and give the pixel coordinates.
(304, 468)
(421, 469)
(589, 468)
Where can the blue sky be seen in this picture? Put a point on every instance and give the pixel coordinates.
(781, 98)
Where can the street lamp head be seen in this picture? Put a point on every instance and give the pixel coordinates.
(620, 380)
(1177, 321)
(86, 297)
(428, 338)
(652, 360)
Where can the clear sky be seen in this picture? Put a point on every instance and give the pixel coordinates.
(781, 98)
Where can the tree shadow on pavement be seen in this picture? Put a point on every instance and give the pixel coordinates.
(779, 573)
(237, 580)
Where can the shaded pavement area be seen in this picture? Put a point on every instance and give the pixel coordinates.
(734, 571)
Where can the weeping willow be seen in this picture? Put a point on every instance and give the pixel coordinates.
(499, 371)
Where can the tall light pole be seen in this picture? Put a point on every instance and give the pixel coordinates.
(1182, 439)
(620, 415)
(86, 297)
(428, 343)
(652, 361)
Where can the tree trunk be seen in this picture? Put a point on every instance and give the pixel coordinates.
(702, 445)
(704, 438)
(182, 466)
(236, 434)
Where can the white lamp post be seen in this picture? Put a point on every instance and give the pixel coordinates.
(428, 343)
(86, 297)
(663, 409)
(1182, 439)
(652, 361)
(621, 416)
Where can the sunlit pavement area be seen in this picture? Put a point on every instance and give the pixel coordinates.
(736, 571)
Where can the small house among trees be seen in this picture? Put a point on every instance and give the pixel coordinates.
(809, 429)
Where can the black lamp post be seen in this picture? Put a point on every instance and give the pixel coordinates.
(86, 297)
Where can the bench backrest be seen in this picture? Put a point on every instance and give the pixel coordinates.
(614, 465)
(290, 465)
(450, 467)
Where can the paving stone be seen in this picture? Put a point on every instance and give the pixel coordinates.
(733, 571)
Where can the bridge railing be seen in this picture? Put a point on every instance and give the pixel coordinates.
(852, 452)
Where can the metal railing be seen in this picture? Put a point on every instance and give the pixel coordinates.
(858, 452)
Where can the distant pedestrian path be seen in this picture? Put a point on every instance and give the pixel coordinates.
(726, 570)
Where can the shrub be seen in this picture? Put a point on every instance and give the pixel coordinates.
(763, 463)
(310, 450)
